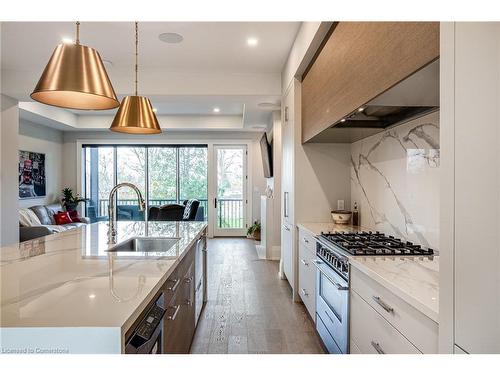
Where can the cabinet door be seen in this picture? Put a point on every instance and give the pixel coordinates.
(477, 176)
(359, 61)
(287, 157)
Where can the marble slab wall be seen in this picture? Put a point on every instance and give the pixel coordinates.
(395, 181)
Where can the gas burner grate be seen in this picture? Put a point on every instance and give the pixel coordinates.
(369, 243)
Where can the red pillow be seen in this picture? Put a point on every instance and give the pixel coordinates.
(73, 214)
(62, 218)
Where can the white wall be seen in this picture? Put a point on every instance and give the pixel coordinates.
(38, 138)
(9, 215)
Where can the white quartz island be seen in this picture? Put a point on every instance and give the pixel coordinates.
(65, 293)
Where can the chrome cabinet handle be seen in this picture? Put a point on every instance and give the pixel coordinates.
(377, 347)
(188, 302)
(188, 280)
(317, 263)
(304, 262)
(384, 305)
(176, 284)
(304, 292)
(174, 315)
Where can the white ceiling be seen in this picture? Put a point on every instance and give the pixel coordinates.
(212, 67)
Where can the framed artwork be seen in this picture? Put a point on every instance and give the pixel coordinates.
(32, 182)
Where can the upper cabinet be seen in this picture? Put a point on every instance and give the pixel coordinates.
(358, 62)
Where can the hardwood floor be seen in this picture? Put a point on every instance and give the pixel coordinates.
(249, 309)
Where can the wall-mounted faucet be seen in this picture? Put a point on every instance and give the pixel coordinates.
(112, 208)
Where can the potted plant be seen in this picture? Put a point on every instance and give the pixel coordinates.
(254, 231)
(70, 202)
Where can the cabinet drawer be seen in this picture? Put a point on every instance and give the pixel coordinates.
(307, 280)
(418, 328)
(307, 239)
(373, 334)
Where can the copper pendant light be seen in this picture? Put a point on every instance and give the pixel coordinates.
(75, 78)
(136, 115)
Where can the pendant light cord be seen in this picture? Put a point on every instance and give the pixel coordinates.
(77, 32)
(136, 53)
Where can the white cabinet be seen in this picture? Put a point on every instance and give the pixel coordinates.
(307, 272)
(470, 169)
(384, 323)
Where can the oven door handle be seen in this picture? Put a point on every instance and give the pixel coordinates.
(318, 264)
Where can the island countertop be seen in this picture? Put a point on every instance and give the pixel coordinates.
(69, 280)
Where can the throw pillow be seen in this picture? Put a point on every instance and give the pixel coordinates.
(28, 218)
(73, 214)
(62, 218)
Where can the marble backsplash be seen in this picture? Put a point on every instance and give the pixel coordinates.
(395, 181)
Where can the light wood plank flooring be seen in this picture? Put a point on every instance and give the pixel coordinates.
(249, 309)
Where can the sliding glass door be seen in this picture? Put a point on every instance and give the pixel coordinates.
(163, 174)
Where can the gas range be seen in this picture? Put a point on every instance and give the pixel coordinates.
(334, 248)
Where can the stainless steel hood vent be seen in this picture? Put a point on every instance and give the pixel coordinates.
(413, 97)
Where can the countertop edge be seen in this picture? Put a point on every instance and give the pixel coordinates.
(424, 309)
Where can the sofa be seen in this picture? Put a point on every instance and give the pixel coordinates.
(38, 221)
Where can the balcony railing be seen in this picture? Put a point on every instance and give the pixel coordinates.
(104, 204)
(230, 213)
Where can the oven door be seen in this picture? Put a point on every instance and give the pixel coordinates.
(332, 307)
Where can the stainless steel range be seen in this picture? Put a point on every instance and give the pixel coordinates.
(332, 279)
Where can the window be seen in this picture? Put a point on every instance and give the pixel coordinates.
(163, 174)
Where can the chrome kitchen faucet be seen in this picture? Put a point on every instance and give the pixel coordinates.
(112, 209)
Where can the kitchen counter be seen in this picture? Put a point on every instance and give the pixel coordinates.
(66, 293)
(413, 279)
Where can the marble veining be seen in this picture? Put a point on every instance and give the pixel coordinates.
(395, 180)
(70, 280)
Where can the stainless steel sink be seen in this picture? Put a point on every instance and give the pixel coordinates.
(146, 244)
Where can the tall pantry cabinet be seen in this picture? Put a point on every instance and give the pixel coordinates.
(469, 310)
(314, 177)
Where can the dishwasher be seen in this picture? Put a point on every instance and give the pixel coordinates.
(147, 337)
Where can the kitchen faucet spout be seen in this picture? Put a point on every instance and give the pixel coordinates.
(112, 209)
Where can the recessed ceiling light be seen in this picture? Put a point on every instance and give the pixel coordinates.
(343, 120)
(92, 296)
(67, 40)
(361, 109)
(216, 110)
(172, 38)
(252, 42)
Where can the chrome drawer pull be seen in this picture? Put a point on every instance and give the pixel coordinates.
(304, 262)
(176, 284)
(304, 292)
(188, 280)
(174, 315)
(377, 347)
(384, 305)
